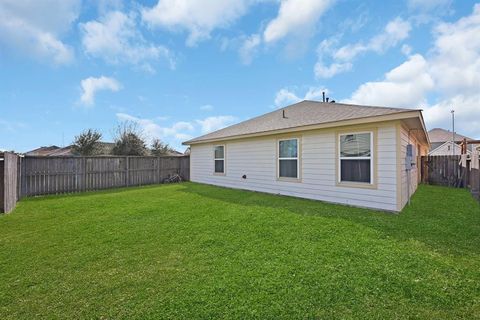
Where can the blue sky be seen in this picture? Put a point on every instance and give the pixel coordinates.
(181, 68)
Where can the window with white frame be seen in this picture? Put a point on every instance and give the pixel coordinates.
(356, 164)
(219, 159)
(288, 158)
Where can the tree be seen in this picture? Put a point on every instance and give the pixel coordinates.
(86, 143)
(159, 148)
(129, 140)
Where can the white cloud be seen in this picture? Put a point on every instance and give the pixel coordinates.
(406, 49)
(34, 27)
(287, 96)
(450, 76)
(206, 107)
(327, 71)
(456, 55)
(178, 131)
(116, 39)
(394, 32)
(215, 123)
(249, 48)
(467, 114)
(199, 18)
(295, 16)
(90, 86)
(404, 86)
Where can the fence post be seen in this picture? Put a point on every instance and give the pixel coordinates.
(19, 177)
(475, 175)
(9, 180)
(463, 171)
(127, 175)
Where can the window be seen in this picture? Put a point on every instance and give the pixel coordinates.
(219, 158)
(288, 158)
(356, 157)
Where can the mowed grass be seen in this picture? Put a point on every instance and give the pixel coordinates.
(191, 251)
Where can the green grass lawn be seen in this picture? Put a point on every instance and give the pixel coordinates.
(196, 251)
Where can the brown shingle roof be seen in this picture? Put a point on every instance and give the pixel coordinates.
(42, 151)
(442, 135)
(298, 115)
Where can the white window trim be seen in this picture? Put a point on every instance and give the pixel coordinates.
(340, 158)
(289, 158)
(224, 159)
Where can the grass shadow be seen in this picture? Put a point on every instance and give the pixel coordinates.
(443, 218)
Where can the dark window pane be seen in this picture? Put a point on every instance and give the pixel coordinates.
(355, 170)
(219, 166)
(288, 168)
(219, 152)
(288, 148)
(355, 145)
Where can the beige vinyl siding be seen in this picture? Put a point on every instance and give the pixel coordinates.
(406, 139)
(257, 158)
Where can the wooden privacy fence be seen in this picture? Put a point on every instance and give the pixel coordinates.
(56, 175)
(461, 171)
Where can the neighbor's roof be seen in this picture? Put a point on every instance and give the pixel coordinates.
(301, 114)
(42, 151)
(442, 135)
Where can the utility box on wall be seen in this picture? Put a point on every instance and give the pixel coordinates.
(410, 157)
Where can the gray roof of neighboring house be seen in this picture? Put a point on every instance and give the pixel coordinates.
(442, 135)
(300, 114)
(105, 148)
(42, 151)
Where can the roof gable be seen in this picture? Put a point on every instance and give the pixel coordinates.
(446, 149)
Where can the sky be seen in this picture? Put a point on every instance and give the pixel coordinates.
(182, 68)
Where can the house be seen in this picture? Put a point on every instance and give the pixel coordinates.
(174, 153)
(105, 148)
(441, 143)
(42, 151)
(448, 148)
(341, 153)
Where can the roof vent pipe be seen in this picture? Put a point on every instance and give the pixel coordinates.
(327, 99)
(323, 93)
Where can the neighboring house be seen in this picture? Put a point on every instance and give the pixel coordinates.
(42, 151)
(447, 148)
(348, 154)
(438, 142)
(174, 153)
(105, 148)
